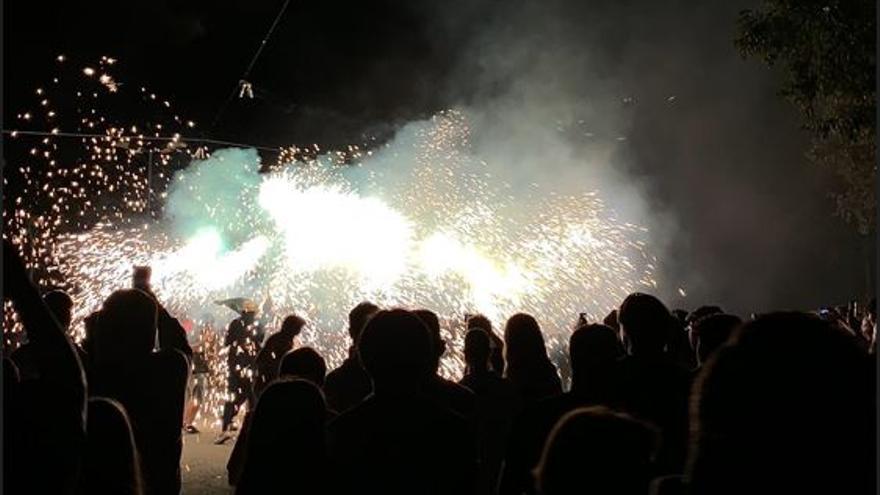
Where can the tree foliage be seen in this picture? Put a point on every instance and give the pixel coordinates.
(826, 53)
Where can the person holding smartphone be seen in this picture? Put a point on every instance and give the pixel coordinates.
(171, 333)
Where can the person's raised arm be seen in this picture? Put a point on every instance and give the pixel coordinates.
(56, 357)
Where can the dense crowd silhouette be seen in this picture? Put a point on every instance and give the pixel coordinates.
(660, 401)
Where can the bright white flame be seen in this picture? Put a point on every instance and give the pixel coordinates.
(204, 259)
(326, 227)
(488, 280)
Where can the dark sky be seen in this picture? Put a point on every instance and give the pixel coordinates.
(746, 220)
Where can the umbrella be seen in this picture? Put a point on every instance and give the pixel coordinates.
(239, 304)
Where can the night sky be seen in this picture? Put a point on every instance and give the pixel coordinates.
(742, 219)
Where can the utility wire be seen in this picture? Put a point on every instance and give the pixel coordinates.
(247, 72)
(142, 138)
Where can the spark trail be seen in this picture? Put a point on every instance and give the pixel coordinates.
(419, 222)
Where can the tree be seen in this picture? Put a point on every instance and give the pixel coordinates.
(825, 50)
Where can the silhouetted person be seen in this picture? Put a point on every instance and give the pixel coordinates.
(304, 363)
(702, 312)
(43, 418)
(203, 343)
(594, 351)
(610, 320)
(496, 358)
(596, 451)
(60, 306)
(243, 338)
(112, 464)
(528, 367)
(649, 384)
(90, 325)
(397, 441)
(711, 332)
(445, 392)
(150, 385)
(787, 407)
(349, 384)
(171, 333)
(275, 347)
(286, 449)
(497, 403)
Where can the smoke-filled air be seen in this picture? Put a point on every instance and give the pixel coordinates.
(422, 220)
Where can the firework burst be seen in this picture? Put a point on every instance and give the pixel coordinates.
(420, 222)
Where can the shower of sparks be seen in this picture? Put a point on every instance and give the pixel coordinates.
(315, 234)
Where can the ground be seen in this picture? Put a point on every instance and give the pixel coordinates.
(204, 464)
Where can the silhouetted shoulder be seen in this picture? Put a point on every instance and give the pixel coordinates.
(402, 446)
(452, 395)
(346, 386)
(527, 436)
(277, 341)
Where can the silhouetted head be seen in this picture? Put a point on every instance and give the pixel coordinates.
(479, 321)
(126, 326)
(477, 348)
(249, 310)
(645, 324)
(496, 356)
(429, 318)
(304, 363)
(358, 317)
(111, 463)
(288, 412)
(610, 320)
(523, 342)
(711, 332)
(61, 306)
(787, 406)
(702, 312)
(591, 347)
(395, 350)
(292, 325)
(286, 443)
(595, 450)
(90, 322)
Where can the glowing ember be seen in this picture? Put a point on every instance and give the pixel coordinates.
(418, 222)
